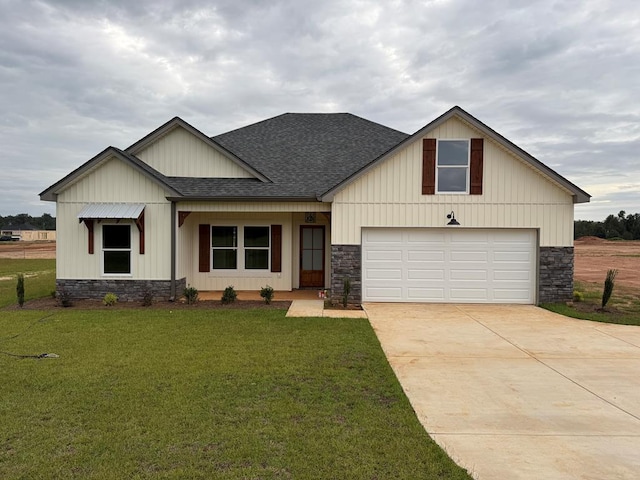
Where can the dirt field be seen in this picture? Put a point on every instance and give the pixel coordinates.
(593, 257)
(28, 250)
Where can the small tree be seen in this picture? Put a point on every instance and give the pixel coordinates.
(20, 289)
(609, 283)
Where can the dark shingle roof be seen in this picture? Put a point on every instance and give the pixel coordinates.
(304, 154)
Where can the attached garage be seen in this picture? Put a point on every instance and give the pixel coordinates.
(449, 265)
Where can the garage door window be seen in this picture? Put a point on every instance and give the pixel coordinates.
(453, 166)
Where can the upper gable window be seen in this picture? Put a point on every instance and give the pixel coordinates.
(452, 166)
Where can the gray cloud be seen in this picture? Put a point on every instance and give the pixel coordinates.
(559, 81)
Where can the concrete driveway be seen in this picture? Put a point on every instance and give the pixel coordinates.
(517, 392)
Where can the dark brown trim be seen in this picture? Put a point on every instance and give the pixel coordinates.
(89, 223)
(182, 216)
(428, 166)
(140, 225)
(276, 248)
(477, 166)
(204, 248)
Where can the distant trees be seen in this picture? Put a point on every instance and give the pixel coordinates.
(45, 222)
(621, 226)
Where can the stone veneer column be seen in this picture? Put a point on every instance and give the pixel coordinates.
(346, 261)
(555, 277)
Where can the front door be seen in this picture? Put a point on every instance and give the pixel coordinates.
(312, 256)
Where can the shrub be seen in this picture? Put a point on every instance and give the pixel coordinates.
(110, 299)
(267, 294)
(20, 289)
(64, 298)
(578, 296)
(191, 294)
(147, 298)
(346, 290)
(608, 286)
(229, 295)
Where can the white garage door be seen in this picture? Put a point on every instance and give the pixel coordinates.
(448, 265)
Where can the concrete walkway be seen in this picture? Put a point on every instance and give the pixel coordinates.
(315, 308)
(517, 392)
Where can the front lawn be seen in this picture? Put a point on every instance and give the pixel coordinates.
(623, 306)
(40, 278)
(246, 394)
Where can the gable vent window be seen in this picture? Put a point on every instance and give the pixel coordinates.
(116, 249)
(452, 166)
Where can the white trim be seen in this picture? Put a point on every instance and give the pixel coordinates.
(240, 270)
(103, 250)
(468, 166)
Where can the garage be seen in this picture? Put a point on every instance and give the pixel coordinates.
(449, 265)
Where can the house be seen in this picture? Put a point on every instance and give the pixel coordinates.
(26, 232)
(453, 213)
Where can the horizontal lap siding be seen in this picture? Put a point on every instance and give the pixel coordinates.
(514, 195)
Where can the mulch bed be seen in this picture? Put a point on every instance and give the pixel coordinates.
(51, 303)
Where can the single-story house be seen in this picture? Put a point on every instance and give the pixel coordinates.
(453, 213)
(26, 232)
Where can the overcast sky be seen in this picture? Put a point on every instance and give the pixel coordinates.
(560, 79)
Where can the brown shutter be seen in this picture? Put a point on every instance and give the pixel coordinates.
(477, 164)
(429, 166)
(276, 248)
(204, 244)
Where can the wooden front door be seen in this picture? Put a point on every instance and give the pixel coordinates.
(312, 256)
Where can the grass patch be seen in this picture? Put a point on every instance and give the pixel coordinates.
(205, 394)
(40, 278)
(623, 307)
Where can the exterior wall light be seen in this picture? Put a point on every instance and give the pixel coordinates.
(452, 217)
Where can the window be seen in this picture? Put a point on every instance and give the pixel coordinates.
(224, 241)
(116, 249)
(452, 166)
(248, 251)
(256, 248)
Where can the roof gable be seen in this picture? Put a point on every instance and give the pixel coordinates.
(579, 195)
(107, 154)
(177, 123)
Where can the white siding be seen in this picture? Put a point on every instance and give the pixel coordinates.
(181, 154)
(258, 207)
(514, 195)
(113, 181)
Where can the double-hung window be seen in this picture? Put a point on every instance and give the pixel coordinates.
(116, 249)
(240, 247)
(452, 166)
(224, 242)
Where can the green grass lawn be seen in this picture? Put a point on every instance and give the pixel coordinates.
(623, 306)
(40, 279)
(244, 394)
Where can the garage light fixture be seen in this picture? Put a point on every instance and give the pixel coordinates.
(452, 217)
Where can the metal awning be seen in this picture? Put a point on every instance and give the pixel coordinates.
(98, 211)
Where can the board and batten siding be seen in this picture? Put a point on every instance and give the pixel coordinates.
(181, 154)
(515, 195)
(113, 181)
(256, 207)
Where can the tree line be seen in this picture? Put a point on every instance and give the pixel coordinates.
(621, 226)
(45, 222)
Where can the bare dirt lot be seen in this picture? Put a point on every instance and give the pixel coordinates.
(28, 250)
(594, 256)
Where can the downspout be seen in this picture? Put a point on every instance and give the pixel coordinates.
(172, 298)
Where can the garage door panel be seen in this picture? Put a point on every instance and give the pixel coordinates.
(449, 265)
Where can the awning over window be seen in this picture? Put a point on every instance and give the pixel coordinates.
(99, 211)
(112, 211)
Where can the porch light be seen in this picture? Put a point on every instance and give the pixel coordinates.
(452, 217)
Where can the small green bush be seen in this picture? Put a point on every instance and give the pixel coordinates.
(110, 299)
(191, 295)
(578, 296)
(609, 283)
(267, 293)
(346, 290)
(147, 299)
(229, 295)
(20, 289)
(64, 298)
